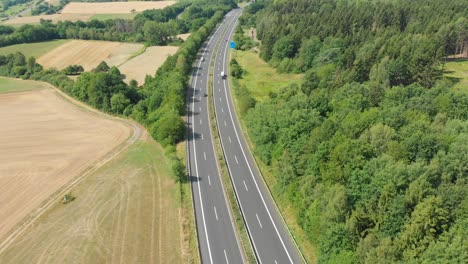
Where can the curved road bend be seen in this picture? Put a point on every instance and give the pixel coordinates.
(217, 239)
(269, 236)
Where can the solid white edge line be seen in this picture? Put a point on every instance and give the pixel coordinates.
(248, 164)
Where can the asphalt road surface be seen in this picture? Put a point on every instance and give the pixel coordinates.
(269, 236)
(217, 239)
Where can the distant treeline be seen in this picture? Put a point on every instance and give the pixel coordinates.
(153, 27)
(371, 150)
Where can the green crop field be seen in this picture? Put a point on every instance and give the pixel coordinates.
(14, 85)
(33, 49)
(259, 77)
(458, 70)
(128, 211)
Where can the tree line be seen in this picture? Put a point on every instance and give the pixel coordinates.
(152, 27)
(370, 150)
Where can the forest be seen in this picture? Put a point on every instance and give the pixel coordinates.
(371, 150)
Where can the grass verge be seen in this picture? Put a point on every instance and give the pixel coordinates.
(189, 242)
(264, 74)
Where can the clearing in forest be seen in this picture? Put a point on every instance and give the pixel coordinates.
(45, 142)
(458, 71)
(260, 78)
(88, 54)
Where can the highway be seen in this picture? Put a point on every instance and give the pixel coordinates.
(218, 242)
(268, 235)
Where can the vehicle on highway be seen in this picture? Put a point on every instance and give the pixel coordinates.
(202, 58)
(223, 75)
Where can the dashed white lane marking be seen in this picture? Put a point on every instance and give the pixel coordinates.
(220, 99)
(209, 180)
(216, 213)
(222, 110)
(229, 139)
(236, 159)
(259, 221)
(204, 155)
(225, 124)
(245, 185)
(225, 255)
(219, 90)
(200, 108)
(201, 136)
(200, 121)
(276, 262)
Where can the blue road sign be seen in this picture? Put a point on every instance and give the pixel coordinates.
(232, 44)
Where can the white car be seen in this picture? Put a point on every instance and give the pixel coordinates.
(223, 75)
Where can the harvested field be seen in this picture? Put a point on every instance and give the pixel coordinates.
(88, 54)
(146, 63)
(125, 212)
(184, 36)
(45, 142)
(55, 18)
(113, 7)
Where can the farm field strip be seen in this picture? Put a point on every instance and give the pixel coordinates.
(43, 146)
(124, 212)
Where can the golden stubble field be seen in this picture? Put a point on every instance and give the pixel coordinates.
(44, 143)
(146, 63)
(127, 209)
(84, 11)
(88, 54)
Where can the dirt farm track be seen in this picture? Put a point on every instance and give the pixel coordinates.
(44, 143)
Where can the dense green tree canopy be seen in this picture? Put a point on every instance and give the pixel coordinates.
(371, 150)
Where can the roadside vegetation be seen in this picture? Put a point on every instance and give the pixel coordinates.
(369, 151)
